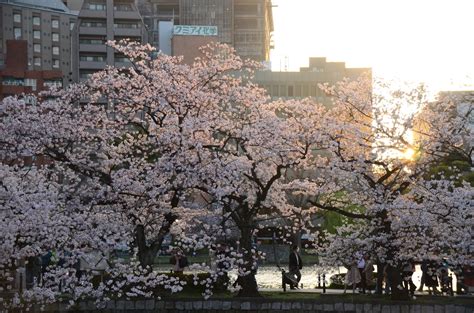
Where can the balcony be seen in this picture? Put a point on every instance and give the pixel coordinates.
(92, 65)
(93, 31)
(93, 14)
(128, 32)
(120, 64)
(127, 15)
(92, 48)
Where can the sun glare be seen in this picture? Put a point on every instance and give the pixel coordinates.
(419, 41)
(408, 154)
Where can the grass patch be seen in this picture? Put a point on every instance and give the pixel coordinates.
(196, 295)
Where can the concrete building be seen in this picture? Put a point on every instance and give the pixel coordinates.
(74, 5)
(46, 27)
(188, 45)
(305, 82)
(100, 21)
(16, 78)
(464, 100)
(245, 24)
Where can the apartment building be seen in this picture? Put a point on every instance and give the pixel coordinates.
(245, 24)
(73, 5)
(98, 22)
(45, 26)
(17, 79)
(304, 83)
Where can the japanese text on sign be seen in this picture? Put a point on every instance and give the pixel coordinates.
(194, 30)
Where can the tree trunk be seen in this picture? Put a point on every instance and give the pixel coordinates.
(396, 285)
(248, 283)
(297, 239)
(148, 251)
(380, 275)
(146, 255)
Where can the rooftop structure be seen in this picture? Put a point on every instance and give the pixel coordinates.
(53, 5)
(244, 24)
(305, 82)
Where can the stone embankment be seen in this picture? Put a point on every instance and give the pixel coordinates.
(254, 306)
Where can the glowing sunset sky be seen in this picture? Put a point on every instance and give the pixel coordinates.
(416, 40)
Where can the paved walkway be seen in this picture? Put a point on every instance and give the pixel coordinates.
(341, 291)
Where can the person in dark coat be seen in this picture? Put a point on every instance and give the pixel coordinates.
(431, 278)
(424, 273)
(295, 264)
(407, 273)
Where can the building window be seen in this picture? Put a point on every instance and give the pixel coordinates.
(37, 47)
(55, 23)
(85, 74)
(121, 59)
(95, 6)
(298, 91)
(91, 41)
(126, 25)
(53, 83)
(92, 58)
(93, 24)
(56, 50)
(305, 91)
(55, 37)
(36, 20)
(283, 91)
(17, 17)
(37, 61)
(290, 91)
(31, 82)
(55, 63)
(275, 91)
(71, 25)
(246, 23)
(123, 7)
(17, 32)
(246, 9)
(37, 34)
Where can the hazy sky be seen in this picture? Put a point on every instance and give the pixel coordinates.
(416, 40)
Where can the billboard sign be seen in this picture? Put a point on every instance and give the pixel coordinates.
(194, 30)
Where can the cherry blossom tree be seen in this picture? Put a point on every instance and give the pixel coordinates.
(257, 144)
(128, 153)
(382, 146)
(135, 154)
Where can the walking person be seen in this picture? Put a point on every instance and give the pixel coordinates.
(361, 267)
(352, 276)
(369, 273)
(295, 265)
(431, 279)
(424, 272)
(407, 273)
